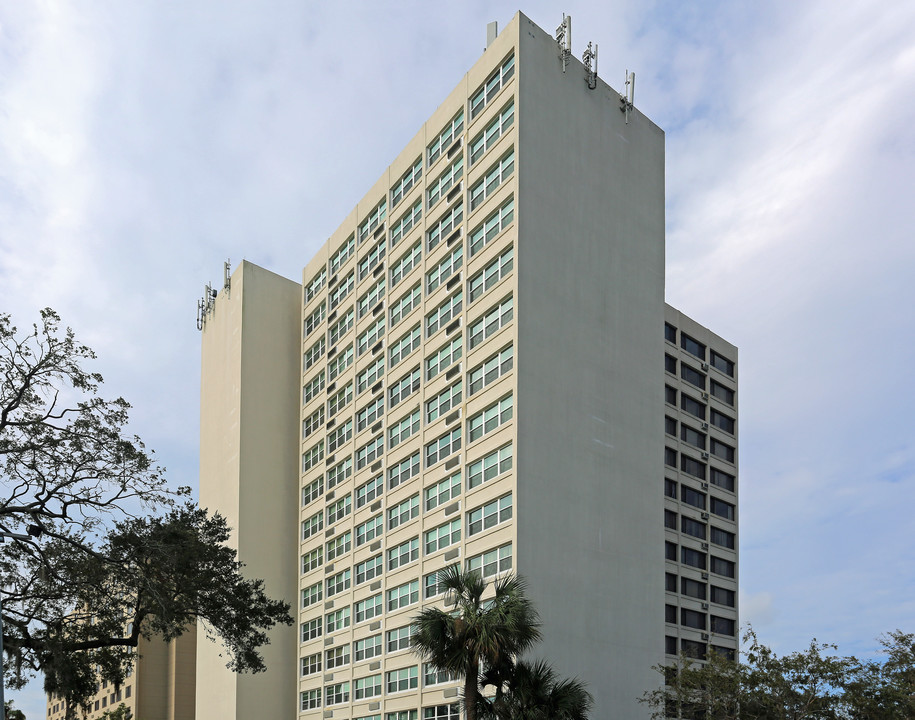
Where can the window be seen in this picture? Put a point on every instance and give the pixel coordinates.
(434, 676)
(400, 638)
(720, 566)
(443, 314)
(372, 258)
(403, 679)
(670, 426)
(670, 582)
(337, 620)
(312, 456)
(670, 333)
(341, 327)
(403, 595)
(344, 253)
(670, 395)
(313, 525)
(439, 187)
(722, 393)
(402, 715)
(491, 87)
(490, 370)
(442, 358)
(490, 275)
(312, 422)
(367, 648)
(339, 472)
(405, 303)
(692, 376)
(491, 562)
(311, 560)
(340, 545)
(443, 446)
(313, 354)
(670, 364)
(341, 399)
(490, 466)
(311, 629)
(403, 512)
(670, 614)
(494, 223)
(313, 387)
(341, 290)
(719, 362)
(723, 538)
(443, 491)
(405, 553)
(449, 133)
(447, 399)
(670, 645)
(670, 551)
(312, 594)
(370, 413)
(722, 626)
(694, 528)
(693, 437)
(367, 492)
(670, 519)
(403, 429)
(692, 588)
(494, 177)
(406, 181)
(431, 586)
(368, 608)
(369, 569)
(372, 334)
(443, 536)
(489, 515)
(310, 699)
(495, 319)
(450, 264)
(370, 297)
(720, 420)
(312, 491)
(406, 222)
(403, 388)
(693, 558)
(403, 471)
(670, 457)
(723, 596)
(373, 220)
(496, 129)
(692, 619)
(692, 497)
(405, 263)
(692, 467)
(311, 664)
(338, 509)
(337, 583)
(340, 435)
(443, 227)
(367, 687)
(404, 345)
(722, 479)
(722, 450)
(372, 374)
(722, 508)
(726, 653)
(693, 347)
(490, 418)
(314, 287)
(692, 406)
(315, 319)
(370, 452)
(336, 694)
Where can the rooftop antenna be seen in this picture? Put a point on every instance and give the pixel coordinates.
(564, 40)
(627, 98)
(589, 57)
(205, 305)
(226, 276)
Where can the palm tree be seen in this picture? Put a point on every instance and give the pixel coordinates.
(532, 691)
(476, 634)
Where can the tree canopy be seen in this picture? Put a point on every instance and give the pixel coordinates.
(120, 554)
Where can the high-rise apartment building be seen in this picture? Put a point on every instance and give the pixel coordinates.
(471, 373)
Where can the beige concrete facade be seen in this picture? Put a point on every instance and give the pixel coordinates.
(481, 344)
(161, 687)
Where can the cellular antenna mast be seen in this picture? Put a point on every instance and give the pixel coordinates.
(590, 61)
(564, 40)
(627, 97)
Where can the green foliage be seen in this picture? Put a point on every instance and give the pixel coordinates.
(121, 712)
(814, 683)
(121, 556)
(533, 691)
(13, 713)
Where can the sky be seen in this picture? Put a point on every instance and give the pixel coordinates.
(144, 143)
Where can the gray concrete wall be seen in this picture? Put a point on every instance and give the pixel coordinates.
(590, 304)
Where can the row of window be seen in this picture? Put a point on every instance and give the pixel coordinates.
(698, 349)
(698, 620)
(700, 590)
(696, 650)
(699, 559)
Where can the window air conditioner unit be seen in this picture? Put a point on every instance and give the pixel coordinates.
(705, 606)
(705, 576)
(705, 396)
(705, 546)
(705, 456)
(705, 516)
(705, 486)
(705, 636)
(705, 366)
(705, 426)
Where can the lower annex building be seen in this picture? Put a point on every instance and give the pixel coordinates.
(477, 368)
